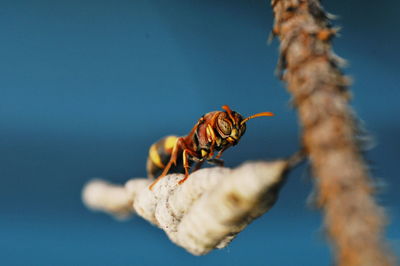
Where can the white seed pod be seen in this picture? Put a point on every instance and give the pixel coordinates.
(205, 212)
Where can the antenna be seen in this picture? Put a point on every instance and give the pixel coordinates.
(256, 115)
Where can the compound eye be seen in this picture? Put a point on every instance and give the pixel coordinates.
(224, 127)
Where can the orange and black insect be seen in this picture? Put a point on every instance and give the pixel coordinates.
(214, 131)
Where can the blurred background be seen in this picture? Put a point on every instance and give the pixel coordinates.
(87, 86)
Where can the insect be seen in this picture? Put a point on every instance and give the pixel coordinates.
(214, 132)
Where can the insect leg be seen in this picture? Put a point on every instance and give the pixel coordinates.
(185, 165)
(174, 155)
(185, 155)
(215, 161)
(222, 150)
(198, 165)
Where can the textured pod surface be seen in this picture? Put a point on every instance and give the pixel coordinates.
(205, 212)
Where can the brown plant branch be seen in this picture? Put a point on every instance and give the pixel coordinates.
(353, 221)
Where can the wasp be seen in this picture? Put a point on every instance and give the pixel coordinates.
(214, 132)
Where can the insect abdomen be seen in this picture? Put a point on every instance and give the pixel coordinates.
(159, 156)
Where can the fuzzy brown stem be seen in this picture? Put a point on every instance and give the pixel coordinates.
(353, 221)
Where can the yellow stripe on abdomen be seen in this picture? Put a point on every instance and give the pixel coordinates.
(170, 142)
(155, 157)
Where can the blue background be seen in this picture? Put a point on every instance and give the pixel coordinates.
(87, 86)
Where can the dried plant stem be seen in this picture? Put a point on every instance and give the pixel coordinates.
(354, 222)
